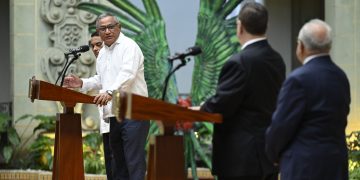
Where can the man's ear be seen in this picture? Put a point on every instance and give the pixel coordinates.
(302, 47)
(241, 27)
(238, 28)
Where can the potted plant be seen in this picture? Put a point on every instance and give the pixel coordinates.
(9, 139)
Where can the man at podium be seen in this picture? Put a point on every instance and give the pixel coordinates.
(246, 95)
(119, 66)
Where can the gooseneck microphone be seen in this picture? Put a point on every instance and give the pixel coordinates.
(80, 49)
(192, 51)
(75, 55)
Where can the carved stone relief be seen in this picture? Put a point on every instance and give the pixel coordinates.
(70, 30)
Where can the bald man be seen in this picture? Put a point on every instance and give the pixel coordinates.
(307, 133)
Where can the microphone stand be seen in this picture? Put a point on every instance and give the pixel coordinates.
(171, 72)
(63, 72)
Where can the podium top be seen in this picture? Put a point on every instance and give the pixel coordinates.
(42, 90)
(132, 106)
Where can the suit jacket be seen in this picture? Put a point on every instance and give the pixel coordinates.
(307, 133)
(246, 95)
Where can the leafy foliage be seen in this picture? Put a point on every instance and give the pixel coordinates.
(40, 156)
(217, 37)
(42, 148)
(197, 151)
(41, 153)
(9, 138)
(93, 154)
(12, 151)
(353, 143)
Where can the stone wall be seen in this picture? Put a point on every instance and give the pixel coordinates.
(24, 47)
(41, 32)
(344, 17)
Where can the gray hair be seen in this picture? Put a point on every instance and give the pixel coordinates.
(101, 16)
(316, 36)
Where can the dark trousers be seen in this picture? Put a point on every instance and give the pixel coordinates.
(107, 155)
(268, 177)
(127, 142)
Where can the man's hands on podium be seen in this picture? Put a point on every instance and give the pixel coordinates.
(195, 108)
(72, 81)
(102, 99)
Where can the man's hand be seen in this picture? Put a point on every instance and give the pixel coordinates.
(102, 99)
(195, 108)
(72, 81)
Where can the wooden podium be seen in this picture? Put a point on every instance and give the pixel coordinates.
(68, 154)
(166, 155)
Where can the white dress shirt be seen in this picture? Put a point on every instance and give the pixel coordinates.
(252, 42)
(118, 67)
(309, 58)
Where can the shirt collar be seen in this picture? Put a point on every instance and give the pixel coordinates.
(309, 58)
(252, 41)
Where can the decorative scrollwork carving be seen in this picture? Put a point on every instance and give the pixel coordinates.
(70, 35)
(52, 63)
(86, 17)
(51, 12)
(70, 30)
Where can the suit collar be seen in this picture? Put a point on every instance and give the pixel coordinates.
(252, 41)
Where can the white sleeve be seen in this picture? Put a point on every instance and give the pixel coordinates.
(92, 83)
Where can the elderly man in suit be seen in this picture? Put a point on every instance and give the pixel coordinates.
(246, 95)
(307, 133)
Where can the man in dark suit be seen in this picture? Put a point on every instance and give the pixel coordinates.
(307, 133)
(246, 95)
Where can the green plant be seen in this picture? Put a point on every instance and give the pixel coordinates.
(40, 150)
(203, 135)
(41, 153)
(9, 138)
(197, 141)
(353, 143)
(93, 154)
(354, 174)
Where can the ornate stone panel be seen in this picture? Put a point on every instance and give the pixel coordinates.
(69, 30)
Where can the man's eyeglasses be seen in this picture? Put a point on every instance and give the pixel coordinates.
(111, 27)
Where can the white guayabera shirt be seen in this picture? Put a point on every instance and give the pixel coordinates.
(118, 67)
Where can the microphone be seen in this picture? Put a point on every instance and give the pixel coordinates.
(192, 51)
(75, 54)
(80, 49)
